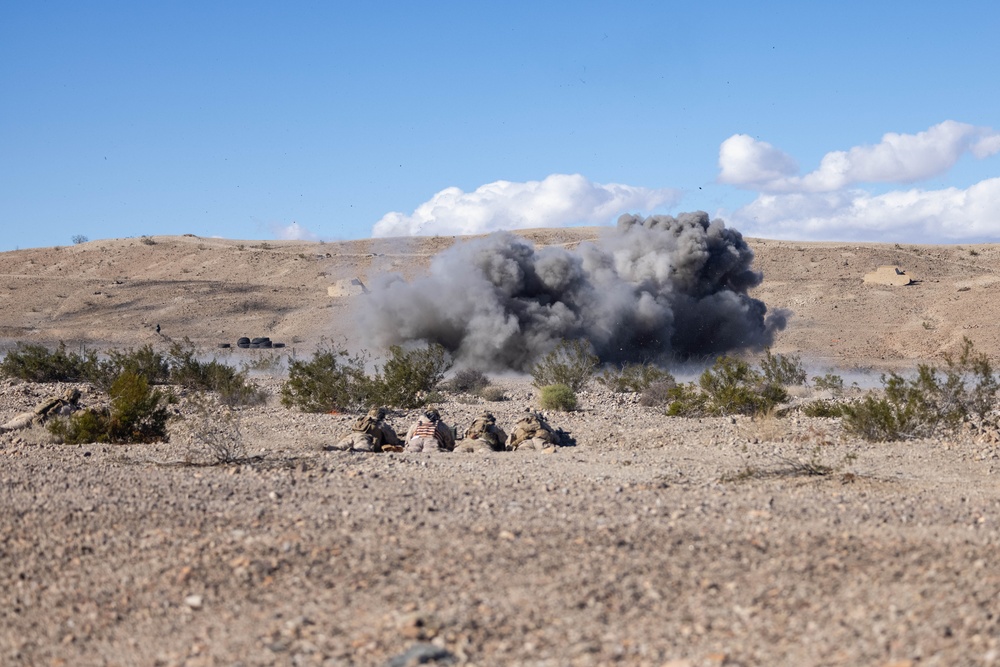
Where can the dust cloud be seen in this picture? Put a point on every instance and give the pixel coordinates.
(656, 289)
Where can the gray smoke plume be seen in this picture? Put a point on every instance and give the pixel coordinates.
(655, 289)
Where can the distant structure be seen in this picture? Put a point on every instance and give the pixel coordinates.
(347, 287)
(888, 275)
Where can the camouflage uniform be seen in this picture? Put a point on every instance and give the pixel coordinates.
(57, 405)
(532, 432)
(483, 436)
(370, 434)
(430, 434)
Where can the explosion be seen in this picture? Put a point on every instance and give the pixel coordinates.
(657, 289)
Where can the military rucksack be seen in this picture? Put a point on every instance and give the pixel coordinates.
(483, 429)
(365, 425)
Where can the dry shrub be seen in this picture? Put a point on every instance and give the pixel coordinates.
(572, 363)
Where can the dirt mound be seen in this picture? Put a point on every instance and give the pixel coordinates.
(888, 275)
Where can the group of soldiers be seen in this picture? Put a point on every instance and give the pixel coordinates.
(429, 433)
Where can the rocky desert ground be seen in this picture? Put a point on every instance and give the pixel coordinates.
(654, 540)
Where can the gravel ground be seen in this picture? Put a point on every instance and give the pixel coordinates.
(652, 541)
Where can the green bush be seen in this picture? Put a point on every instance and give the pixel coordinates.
(935, 399)
(189, 372)
(36, 363)
(731, 386)
(145, 362)
(633, 377)
(137, 414)
(572, 363)
(557, 397)
(335, 380)
(829, 382)
(779, 369)
(432, 397)
(408, 374)
(686, 400)
(332, 380)
(823, 409)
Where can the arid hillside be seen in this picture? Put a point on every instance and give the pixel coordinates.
(115, 292)
(645, 539)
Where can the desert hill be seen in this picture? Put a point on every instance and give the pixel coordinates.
(114, 292)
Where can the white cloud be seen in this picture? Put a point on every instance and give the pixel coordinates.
(557, 201)
(293, 232)
(948, 214)
(898, 158)
(744, 161)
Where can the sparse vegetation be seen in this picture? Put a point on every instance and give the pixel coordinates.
(144, 361)
(147, 240)
(137, 413)
(557, 397)
(332, 379)
(783, 370)
(407, 374)
(335, 380)
(468, 381)
(432, 397)
(493, 394)
(812, 465)
(231, 385)
(826, 409)
(935, 399)
(36, 363)
(686, 400)
(659, 393)
(77, 239)
(219, 435)
(731, 386)
(634, 377)
(571, 363)
(266, 363)
(829, 382)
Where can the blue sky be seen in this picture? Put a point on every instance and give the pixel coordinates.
(264, 120)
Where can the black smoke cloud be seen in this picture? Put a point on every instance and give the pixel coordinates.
(654, 289)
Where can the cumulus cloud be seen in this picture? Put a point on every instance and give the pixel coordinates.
(943, 215)
(831, 202)
(899, 158)
(293, 232)
(557, 201)
(746, 162)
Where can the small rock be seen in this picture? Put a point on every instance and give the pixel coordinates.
(194, 601)
(423, 654)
